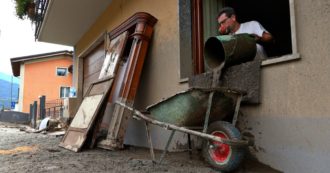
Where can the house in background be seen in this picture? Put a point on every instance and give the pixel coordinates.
(290, 127)
(9, 89)
(47, 74)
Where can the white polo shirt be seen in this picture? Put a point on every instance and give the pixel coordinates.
(253, 27)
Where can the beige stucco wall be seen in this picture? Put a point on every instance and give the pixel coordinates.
(292, 124)
(160, 75)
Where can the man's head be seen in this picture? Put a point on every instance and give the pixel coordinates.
(227, 20)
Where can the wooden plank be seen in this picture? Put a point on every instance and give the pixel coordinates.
(86, 111)
(93, 56)
(113, 55)
(88, 81)
(80, 126)
(92, 65)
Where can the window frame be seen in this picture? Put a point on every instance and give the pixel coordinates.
(66, 71)
(197, 40)
(191, 38)
(295, 54)
(64, 92)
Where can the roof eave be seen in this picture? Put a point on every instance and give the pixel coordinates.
(16, 61)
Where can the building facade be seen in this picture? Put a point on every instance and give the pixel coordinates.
(291, 124)
(43, 74)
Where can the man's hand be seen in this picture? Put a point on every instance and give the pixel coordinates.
(266, 37)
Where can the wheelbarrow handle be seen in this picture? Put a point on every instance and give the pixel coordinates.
(231, 142)
(221, 89)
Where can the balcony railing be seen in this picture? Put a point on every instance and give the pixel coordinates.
(41, 7)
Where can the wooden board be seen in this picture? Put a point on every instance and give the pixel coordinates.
(92, 65)
(80, 126)
(113, 54)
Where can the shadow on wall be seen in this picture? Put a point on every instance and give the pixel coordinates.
(14, 117)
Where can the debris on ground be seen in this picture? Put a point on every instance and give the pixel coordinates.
(49, 126)
(35, 152)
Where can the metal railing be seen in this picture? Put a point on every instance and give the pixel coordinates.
(54, 108)
(51, 108)
(41, 7)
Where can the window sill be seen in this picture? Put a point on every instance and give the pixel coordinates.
(281, 59)
(267, 62)
(183, 80)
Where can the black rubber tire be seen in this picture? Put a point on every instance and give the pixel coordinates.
(236, 153)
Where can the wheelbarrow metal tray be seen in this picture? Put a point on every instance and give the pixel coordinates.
(188, 108)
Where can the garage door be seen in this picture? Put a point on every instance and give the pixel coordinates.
(92, 66)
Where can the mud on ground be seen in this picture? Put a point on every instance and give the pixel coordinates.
(29, 152)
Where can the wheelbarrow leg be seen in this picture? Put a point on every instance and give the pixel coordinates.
(150, 144)
(208, 111)
(166, 148)
(189, 146)
(238, 103)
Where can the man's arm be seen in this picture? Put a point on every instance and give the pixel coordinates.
(265, 38)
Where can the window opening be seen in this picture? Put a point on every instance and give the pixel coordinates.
(60, 71)
(64, 92)
(274, 16)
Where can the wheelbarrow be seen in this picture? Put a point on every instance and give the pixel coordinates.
(207, 109)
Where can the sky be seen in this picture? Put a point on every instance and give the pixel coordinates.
(17, 37)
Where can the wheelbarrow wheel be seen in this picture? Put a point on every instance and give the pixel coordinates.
(222, 156)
